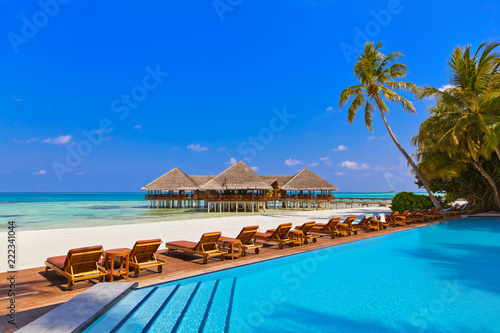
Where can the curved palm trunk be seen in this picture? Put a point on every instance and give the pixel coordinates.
(414, 166)
(490, 180)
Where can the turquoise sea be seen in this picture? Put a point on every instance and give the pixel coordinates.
(35, 211)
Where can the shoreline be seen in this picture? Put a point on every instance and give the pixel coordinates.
(35, 246)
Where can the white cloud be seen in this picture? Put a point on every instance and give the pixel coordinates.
(326, 160)
(330, 108)
(137, 127)
(4, 172)
(79, 173)
(367, 174)
(340, 173)
(370, 138)
(354, 165)
(254, 168)
(232, 161)
(313, 164)
(25, 141)
(222, 149)
(340, 148)
(446, 87)
(60, 140)
(292, 162)
(17, 99)
(197, 147)
(39, 173)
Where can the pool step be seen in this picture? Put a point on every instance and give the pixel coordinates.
(143, 313)
(202, 307)
(194, 307)
(218, 314)
(165, 319)
(111, 320)
(195, 313)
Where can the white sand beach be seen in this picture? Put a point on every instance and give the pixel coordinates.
(33, 247)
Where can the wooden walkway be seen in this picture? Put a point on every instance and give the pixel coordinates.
(37, 294)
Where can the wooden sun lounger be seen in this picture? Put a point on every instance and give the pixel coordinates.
(471, 209)
(246, 236)
(414, 217)
(399, 219)
(306, 228)
(435, 213)
(378, 221)
(79, 264)
(391, 217)
(365, 224)
(346, 226)
(143, 255)
(207, 246)
(455, 210)
(278, 235)
(328, 228)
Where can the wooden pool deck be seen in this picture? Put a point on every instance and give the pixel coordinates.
(37, 294)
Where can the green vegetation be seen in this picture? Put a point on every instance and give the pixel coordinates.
(458, 145)
(376, 73)
(410, 201)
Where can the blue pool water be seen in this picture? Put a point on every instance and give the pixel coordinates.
(441, 278)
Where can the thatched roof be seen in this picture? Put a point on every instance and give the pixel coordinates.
(238, 176)
(308, 180)
(282, 180)
(200, 180)
(175, 179)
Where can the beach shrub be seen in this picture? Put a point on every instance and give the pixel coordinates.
(410, 201)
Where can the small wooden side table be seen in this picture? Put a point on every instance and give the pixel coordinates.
(296, 236)
(109, 261)
(231, 242)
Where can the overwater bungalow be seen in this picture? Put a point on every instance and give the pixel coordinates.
(239, 188)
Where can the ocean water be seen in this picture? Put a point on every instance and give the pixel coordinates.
(439, 278)
(35, 211)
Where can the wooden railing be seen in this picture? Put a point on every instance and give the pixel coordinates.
(171, 197)
(237, 197)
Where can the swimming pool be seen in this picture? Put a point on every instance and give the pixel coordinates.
(444, 277)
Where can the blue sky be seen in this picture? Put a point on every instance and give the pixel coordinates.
(109, 96)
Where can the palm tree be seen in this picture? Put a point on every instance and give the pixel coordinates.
(474, 93)
(441, 156)
(376, 73)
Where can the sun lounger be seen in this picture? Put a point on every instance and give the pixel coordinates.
(435, 213)
(365, 224)
(246, 237)
(414, 217)
(278, 235)
(79, 264)
(346, 227)
(207, 246)
(391, 217)
(399, 219)
(306, 228)
(328, 228)
(471, 209)
(454, 210)
(143, 255)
